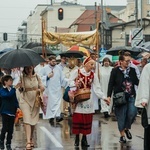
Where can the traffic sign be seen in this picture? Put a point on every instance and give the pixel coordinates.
(137, 37)
(137, 33)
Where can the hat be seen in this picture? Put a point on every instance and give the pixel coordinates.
(86, 60)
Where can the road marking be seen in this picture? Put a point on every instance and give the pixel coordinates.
(52, 138)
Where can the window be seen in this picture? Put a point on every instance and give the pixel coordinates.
(127, 40)
(148, 13)
(107, 39)
(147, 38)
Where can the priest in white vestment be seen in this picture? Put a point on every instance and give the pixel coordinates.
(54, 80)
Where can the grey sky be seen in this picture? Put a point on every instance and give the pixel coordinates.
(13, 12)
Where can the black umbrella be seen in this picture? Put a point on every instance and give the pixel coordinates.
(121, 49)
(38, 49)
(20, 58)
(30, 45)
(72, 53)
(146, 46)
(6, 50)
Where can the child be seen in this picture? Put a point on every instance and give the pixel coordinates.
(8, 110)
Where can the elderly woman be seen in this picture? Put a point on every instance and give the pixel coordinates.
(29, 85)
(83, 113)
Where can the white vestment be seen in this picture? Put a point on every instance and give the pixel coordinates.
(53, 88)
(15, 74)
(143, 91)
(104, 80)
(94, 96)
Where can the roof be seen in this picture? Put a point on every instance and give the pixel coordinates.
(116, 8)
(87, 19)
(125, 23)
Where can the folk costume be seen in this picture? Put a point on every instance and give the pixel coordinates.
(83, 114)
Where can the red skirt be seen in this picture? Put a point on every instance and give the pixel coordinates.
(82, 123)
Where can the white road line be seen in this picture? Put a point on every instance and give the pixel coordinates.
(52, 138)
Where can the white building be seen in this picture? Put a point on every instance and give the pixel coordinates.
(129, 12)
(34, 29)
(71, 11)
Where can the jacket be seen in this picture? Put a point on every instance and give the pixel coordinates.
(9, 101)
(116, 80)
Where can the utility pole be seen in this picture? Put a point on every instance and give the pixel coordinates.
(102, 28)
(95, 15)
(51, 2)
(136, 13)
(43, 44)
(141, 14)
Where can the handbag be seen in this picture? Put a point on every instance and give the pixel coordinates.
(44, 103)
(65, 95)
(119, 99)
(144, 118)
(18, 116)
(38, 99)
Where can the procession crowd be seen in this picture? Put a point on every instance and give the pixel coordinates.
(119, 88)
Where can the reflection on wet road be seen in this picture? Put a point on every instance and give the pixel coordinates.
(104, 136)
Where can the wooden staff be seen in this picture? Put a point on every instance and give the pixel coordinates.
(43, 43)
(97, 46)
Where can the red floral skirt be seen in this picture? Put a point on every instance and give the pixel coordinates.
(82, 123)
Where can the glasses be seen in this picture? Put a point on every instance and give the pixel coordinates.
(127, 61)
(53, 61)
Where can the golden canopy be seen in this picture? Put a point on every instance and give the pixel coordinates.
(69, 39)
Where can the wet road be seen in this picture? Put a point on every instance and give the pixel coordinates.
(105, 136)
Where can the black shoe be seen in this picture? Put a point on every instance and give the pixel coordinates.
(122, 139)
(51, 120)
(2, 145)
(76, 143)
(59, 119)
(106, 115)
(8, 146)
(84, 143)
(128, 134)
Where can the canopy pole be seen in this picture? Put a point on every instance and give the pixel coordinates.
(97, 46)
(43, 43)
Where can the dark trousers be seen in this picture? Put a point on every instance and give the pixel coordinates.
(147, 138)
(7, 126)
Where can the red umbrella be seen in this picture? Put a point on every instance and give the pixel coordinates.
(79, 48)
(135, 62)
